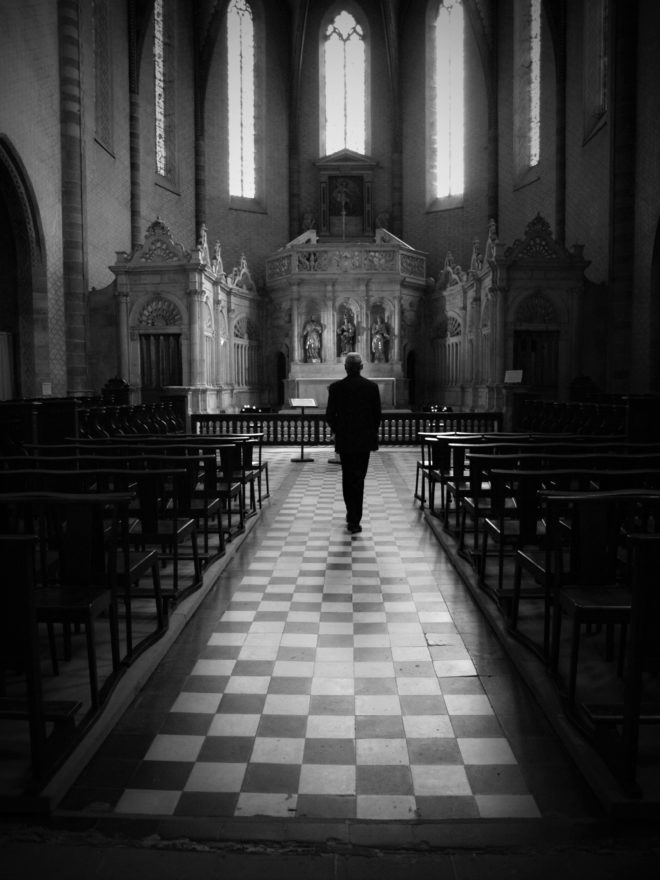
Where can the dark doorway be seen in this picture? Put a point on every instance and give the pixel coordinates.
(280, 374)
(411, 365)
(160, 363)
(536, 353)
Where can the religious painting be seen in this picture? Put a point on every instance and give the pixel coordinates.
(346, 205)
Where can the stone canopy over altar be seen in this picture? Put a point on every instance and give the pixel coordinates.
(329, 297)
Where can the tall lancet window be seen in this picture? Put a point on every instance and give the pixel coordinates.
(527, 84)
(344, 66)
(163, 50)
(241, 103)
(596, 37)
(447, 104)
(102, 75)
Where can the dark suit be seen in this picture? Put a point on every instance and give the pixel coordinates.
(353, 414)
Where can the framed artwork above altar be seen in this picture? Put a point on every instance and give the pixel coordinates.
(345, 194)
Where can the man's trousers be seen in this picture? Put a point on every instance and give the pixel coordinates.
(354, 467)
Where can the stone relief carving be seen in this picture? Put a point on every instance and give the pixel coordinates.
(380, 261)
(536, 309)
(159, 312)
(160, 247)
(413, 265)
(454, 327)
(278, 267)
(245, 328)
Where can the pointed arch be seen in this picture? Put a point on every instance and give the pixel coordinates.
(24, 308)
(344, 80)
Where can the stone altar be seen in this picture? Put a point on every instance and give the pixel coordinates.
(373, 286)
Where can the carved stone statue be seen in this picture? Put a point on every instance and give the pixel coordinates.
(346, 333)
(379, 339)
(216, 262)
(312, 332)
(476, 261)
(491, 241)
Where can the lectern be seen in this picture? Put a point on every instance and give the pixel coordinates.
(304, 403)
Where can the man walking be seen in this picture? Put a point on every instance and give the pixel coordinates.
(353, 414)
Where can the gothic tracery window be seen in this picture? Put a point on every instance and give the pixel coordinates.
(596, 63)
(344, 67)
(446, 104)
(241, 99)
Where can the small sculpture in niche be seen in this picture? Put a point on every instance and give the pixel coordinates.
(379, 341)
(476, 261)
(491, 241)
(346, 333)
(312, 332)
(216, 262)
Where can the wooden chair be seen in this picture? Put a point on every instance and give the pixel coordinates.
(593, 590)
(76, 572)
(423, 465)
(159, 523)
(617, 725)
(134, 566)
(253, 466)
(535, 559)
(230, 489)
(514, 521)
(51, 723)
(195, 495)
(474, 499)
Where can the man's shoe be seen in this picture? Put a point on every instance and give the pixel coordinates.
(354, 527)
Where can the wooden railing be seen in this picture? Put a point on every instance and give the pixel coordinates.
(635, 417)
(397, 429)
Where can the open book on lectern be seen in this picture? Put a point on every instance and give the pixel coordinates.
(303, 402)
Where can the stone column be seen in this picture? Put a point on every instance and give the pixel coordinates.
(500, 329)
(329, 346)
(231, 368)
(365, 344)
(217, 312)
(295, 325)
(196, 348)
(395, 348)
(122, 326)
(74, 265)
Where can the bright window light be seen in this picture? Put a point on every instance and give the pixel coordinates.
(240, 78)
(450, 121)
(345, 76)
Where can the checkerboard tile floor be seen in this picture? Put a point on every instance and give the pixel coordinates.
(335, 684)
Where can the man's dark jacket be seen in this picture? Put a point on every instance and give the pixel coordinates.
(353, 413)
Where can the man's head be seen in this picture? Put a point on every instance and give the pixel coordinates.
(353, 363)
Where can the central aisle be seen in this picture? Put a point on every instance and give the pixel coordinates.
(333, 676)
